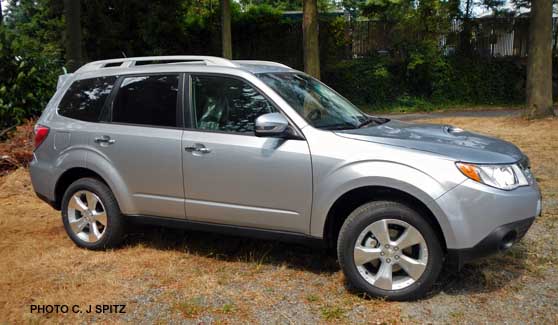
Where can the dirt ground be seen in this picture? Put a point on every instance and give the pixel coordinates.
(178, 276)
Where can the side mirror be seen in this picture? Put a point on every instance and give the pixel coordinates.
(271, 125)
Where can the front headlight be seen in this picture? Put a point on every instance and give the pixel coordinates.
(505, 177)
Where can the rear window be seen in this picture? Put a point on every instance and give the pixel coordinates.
(149, 100)
(85, 98)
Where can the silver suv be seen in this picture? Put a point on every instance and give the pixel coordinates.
(257, 148)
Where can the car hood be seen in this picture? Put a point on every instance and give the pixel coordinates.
(443, 140)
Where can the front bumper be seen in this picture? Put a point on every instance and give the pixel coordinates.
(499, 240)
(471, 211)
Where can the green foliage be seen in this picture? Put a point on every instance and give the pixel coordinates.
(483, 81)
(428, 81)
(262, 14)
(323, 5)
(363, 81)
(113, 28)
(337, 32)
(416, 72)
(30, 52)
(279, 4)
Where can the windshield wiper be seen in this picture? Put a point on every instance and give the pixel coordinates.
(340, 126)
(377, 120)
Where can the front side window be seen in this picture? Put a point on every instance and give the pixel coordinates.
(317, 103)
(226, 104)
(149, 100)
(85, 98)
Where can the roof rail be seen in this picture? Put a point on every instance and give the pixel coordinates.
(130, 62)
(257, 62)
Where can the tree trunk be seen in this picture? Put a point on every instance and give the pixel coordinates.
(554, 52)
(1, 15)
(73, 34)
(310, 38)
(226, 38)
(465, 35)
(539, 61)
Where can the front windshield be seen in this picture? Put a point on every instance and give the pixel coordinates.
(321, 106)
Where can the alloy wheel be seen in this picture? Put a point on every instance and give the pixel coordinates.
(390, 254)
(87, 216)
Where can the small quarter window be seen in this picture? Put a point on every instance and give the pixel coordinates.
(85, 98)
(150, 100)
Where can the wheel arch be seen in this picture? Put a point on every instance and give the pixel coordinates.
(68, 177)
(350, 200)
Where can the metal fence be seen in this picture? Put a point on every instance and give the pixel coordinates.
(489, 37)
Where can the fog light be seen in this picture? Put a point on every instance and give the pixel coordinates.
(508, 240)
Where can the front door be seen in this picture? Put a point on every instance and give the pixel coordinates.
(233, 177)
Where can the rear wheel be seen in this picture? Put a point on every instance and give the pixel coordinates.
(388, 250)
(91, 215)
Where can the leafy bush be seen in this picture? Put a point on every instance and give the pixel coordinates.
(363, 81)
(26, 84)
(30, 60)
(425, 80)
(483, 81)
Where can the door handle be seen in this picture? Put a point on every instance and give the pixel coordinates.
(105, 139)
(198, 148)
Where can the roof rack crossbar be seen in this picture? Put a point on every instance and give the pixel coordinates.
(129, 62)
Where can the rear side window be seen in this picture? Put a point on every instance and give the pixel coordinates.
(150, 100)
(85, 98)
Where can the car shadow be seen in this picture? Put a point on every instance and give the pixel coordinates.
(233, 248)
(482, 276)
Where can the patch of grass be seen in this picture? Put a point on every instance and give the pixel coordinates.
(332, 312)
(191, 308)
(312, 298)
(228, 308)
(457, 315)
(417, 105)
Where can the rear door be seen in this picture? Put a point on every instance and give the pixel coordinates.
(141, 139)
(233, 177)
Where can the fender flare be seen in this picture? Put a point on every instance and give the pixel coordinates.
(385, 174)
(100, 164)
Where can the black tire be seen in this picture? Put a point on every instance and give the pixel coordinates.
(371, 212)
(114, 232)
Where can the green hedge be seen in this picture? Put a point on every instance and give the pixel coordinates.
(27, 81)
(489, 81)
(381, 82)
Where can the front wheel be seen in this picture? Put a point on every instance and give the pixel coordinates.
(388, 250)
